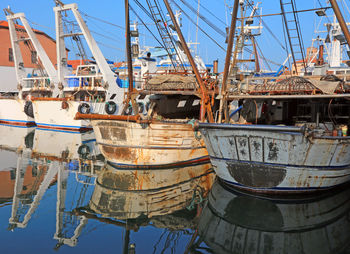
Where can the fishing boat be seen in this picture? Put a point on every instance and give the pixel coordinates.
(282, 136)
(16, 107)
(234, 222)
(93, 88)
(164, 137)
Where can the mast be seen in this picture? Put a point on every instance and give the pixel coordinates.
(228, 58)
(131, 96)
(128, 47)
(341, 20)
(205, 100)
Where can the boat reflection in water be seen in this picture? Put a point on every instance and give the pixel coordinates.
(40, 159)
(237, 223)
(135, 198)
(13, 151)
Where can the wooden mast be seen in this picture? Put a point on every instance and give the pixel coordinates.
(341, 20)
(205, 107)
(131, 96)
(228, 58)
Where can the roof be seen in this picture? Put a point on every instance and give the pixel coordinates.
(5, 24)
(75, 63)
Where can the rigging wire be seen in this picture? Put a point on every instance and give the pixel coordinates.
(216, 17)
(209, 23)
(103, 21)
(145, 25)
(211, 38)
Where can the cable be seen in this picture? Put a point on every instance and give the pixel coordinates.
(146, 26)
(173, 1)
(211, 13)
(215, 28)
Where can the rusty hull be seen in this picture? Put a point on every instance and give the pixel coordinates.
(131, 194)
(270, 161)
(236, 223)
(130, 144)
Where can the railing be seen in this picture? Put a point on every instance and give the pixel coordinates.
(37, 82)
(84, 81)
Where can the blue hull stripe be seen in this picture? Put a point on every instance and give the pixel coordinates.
(256, 163)
(180, 164)
(153, 147)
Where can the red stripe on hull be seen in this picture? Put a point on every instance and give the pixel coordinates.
(81, 129)
(28, 124)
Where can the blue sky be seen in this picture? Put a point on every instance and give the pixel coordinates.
(111, 38)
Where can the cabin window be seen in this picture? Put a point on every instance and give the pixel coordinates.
(34, 57)
(10, 55)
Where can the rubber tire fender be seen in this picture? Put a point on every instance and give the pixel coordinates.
(83, 151)
(28, 109)
(84, 108)
(110, 107)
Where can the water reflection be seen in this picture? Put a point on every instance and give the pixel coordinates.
(165, 198)
(37, 159)
(66, 171)
(236, 223)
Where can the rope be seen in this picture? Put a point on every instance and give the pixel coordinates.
(195, 23)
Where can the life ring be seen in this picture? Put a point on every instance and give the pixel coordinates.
(28, 109)
(110, 107)
(83, 151)
(84, 108)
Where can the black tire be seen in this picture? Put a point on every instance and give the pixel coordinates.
(29, 139)
(28, 109)
(110, 107)
(84, 108)
(83, 151)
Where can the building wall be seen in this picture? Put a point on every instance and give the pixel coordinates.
(48, 44)
(8, 81)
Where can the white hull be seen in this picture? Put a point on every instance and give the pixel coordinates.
(50, 114)
(158, 144)
(267, 160)
(12, 112)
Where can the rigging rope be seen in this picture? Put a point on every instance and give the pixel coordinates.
(195, 23)
(146, 25)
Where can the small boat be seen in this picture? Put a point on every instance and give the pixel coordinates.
(233, 222)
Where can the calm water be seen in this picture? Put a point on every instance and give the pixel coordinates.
(57, 194)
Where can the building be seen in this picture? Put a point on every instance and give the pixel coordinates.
(8, 81)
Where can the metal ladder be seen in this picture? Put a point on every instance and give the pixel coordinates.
(163, 29)
(292, 26)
